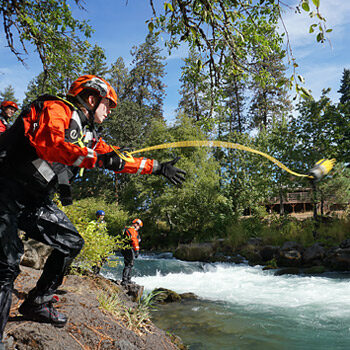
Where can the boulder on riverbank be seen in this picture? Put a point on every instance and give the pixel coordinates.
(289, 255)
(314, 255)
(35, 254)
(165, 296)
(269, 252)
(195, 252)
(338, 259)
(289, 258)
(216, 251)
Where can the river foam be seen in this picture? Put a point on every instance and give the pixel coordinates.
(245, 307)
(254, 288)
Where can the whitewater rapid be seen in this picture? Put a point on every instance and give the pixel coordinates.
(253, 288)
(248, 306)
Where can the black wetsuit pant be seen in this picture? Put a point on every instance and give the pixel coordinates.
(44, 222)
(129, 258)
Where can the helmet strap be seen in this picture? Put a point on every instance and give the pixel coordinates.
(4, 116)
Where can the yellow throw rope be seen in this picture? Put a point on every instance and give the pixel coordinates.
(127, 156)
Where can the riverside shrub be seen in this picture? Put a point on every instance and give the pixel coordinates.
(101, 240)
(277, 230)
(99, 245)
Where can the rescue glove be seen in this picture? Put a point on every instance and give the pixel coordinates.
(110, 161)
(167, 169)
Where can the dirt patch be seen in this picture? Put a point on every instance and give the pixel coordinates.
(88, 327)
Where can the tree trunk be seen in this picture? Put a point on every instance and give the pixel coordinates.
(322, 205)
(314, 199)
(116, 190)
(169, 221)
(281, 202)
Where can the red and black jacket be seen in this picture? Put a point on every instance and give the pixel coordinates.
(49, 135)
(3, 124)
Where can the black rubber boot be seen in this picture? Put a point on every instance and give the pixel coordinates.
(5, 305)
(45, 313)
(127, 282)
(126, 275)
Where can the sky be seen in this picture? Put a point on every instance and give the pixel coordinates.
(119, 25)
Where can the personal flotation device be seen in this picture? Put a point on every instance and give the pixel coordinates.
(20, 160)
(133, 237)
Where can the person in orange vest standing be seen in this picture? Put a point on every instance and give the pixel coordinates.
(8, 109)
(132, 250)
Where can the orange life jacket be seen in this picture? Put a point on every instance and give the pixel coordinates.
(133, 236)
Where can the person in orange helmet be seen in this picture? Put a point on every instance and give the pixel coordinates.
(132, 249)
(41, 153)
(8, 109)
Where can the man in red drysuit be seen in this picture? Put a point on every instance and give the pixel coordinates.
(41, 153)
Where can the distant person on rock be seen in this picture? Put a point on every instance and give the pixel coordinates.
(41, 153)
(132, 239)
(8, 109)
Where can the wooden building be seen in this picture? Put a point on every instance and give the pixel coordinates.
(301, 201)
(298, 201)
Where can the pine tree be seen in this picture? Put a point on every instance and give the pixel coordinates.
(8, 94)
(195, 93)
(95, 63)
(234, 119)
(345, 87)
(36, 88)
(146, 76)
(140, 95)
(343, 121)
(128, 123)
(317, 129)
(119, 77)
(140, 100)
(270, 98)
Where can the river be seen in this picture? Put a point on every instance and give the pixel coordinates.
(244, 307)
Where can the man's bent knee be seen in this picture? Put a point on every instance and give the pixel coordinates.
(77, 247)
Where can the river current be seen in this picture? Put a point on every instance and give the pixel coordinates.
(244, 307)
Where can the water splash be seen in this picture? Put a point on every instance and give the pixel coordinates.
(261, 310)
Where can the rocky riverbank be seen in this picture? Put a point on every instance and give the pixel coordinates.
(102, 315)
(316, 258)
